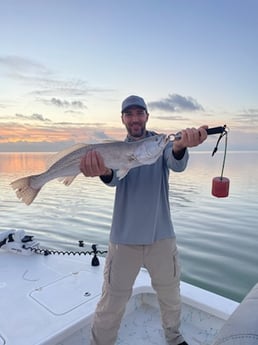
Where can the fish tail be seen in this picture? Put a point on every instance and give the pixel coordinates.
(24, 191)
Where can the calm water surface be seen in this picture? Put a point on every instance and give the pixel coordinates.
(217, 238)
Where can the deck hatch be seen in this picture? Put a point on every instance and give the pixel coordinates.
(67, 293)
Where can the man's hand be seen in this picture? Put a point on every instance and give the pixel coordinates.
(190, 137)
(92, 164)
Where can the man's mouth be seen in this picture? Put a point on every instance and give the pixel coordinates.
(136, 126)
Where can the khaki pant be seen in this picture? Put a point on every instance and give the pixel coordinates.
(123, 263)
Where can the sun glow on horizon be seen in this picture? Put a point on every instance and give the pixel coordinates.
(54, 134)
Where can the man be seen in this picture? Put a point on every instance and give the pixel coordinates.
(142, 233)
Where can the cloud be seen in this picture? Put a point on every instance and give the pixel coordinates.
(172, 117)
(37, 83)
(52, 136)
(176, 103)
(17, 65)
(101, 135)
(66, 104)
(32, 73)
(249, 114)
(75, 112)
(56, 87)
(248, 119)
(37, 117)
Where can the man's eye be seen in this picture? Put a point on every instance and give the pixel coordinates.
(139, 113)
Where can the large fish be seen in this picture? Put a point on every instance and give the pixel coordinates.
(120, 156)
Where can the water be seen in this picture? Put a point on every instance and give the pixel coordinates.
(217, 237)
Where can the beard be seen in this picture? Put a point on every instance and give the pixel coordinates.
(136, 130)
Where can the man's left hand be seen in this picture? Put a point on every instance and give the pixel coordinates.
(190, 137)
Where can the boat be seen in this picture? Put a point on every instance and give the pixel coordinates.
(50, 299)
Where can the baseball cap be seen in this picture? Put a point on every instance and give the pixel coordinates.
(133, 101)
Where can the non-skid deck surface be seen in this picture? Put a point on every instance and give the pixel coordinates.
(143, 326)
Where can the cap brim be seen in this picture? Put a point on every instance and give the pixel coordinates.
(133, 105)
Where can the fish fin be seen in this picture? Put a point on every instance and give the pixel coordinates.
(121, 173)
(24, 191)
(53, 159)
(67, 180)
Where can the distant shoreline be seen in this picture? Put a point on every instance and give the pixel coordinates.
(192, 150)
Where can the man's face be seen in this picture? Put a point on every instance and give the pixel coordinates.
(135, 119)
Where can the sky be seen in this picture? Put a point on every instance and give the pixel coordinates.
(66, 66)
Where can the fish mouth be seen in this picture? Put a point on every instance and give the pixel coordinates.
(163, 140)
(167, 138)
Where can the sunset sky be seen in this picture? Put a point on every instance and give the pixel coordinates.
(66, 65)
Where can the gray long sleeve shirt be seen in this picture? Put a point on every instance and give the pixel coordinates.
(141, 211)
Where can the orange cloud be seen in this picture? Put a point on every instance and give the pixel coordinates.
(56, 133)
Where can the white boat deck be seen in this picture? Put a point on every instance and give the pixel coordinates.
(49, 300)
(142, 326)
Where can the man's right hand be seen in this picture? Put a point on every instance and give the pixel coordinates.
(92, 164)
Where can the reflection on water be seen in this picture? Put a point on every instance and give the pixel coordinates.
(19, 162)
(217, 238)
